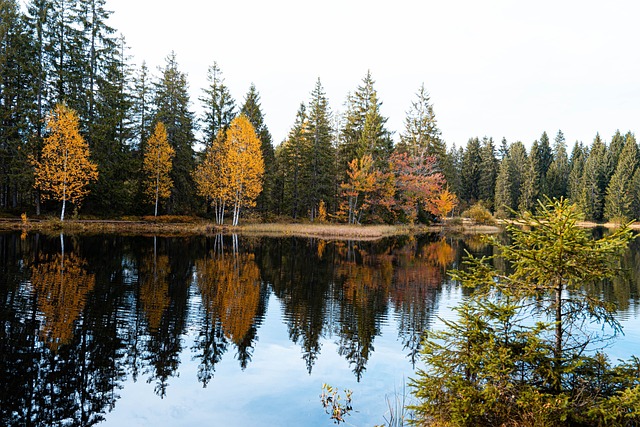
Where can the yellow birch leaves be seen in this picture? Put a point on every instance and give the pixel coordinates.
(231, 173)
(64, 170)
(157, 164)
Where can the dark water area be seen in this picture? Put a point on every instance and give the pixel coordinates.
(138, 331)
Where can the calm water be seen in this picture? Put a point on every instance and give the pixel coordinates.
(139, 331)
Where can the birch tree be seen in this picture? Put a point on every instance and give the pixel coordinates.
(157, 164)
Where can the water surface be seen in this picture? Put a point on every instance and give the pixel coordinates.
(115, 331)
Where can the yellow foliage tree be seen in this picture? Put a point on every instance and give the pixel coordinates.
(157, 164)
(62, 286)
(231, 173)
(212, 177)
(64, 170)
(443, 203)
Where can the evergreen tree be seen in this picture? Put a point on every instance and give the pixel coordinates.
(98, 46)
(17, 97)
(218, 105)
(503, 191)
(421, 135)
(293, 164)
(488, 172)
(531, 181)
(451, 169)
(253, 110)
(613, 153)
(518, 167)
(558, 173)
(576, 170)
(364, 129)
(619, 197)
(545, 154)
(111, 135)
(321, 153)
(594, 182)
(470, 172)
(171, 104)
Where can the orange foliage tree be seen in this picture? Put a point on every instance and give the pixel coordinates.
(62, 285)
(443, 203)
(231, 172)
(64, 170)
(230, 289)
(157, 164)
(417, 183)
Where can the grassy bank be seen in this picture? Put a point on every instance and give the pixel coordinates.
(186, 226)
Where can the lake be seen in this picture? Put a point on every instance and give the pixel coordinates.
(167, 331)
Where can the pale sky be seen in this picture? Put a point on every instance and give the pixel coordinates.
(494, 68)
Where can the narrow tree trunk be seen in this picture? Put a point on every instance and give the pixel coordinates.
(558, 344)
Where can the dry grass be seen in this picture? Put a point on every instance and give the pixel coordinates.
(334, 231)
(189, 226)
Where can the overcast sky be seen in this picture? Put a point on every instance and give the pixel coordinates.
(497, 68)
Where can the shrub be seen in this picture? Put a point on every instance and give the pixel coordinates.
(479, 214)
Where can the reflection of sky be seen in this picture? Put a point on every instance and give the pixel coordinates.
(275, 388)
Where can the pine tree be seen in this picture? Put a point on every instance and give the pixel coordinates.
(488, 172)
(518, 167)
(613, 153)
(253, 110)
(171, 104)
(111, 135)
(17, 98)
(576, 171)
(421, 133)
(321, 152)
(545, 154)
(470, 172)
(364, 129)
(531, 181)
(594, 181)
(294, 165)
(558, 173)
(619, 196)
(218, 105)
(503, 202)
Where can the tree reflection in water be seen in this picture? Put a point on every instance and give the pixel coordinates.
(80, 324)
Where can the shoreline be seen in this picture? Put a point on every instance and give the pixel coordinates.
(327, 231)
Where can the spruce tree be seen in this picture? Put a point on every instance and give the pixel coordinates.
(594, 181)
(518, 167)
(558, 173)
(421, 135)
(470, 172)
(503, 201)
(321, 152)
(218, 105)
(17, 115)
(613, 153)
(364, 131)
(619, 197)
(171, 104)
(576, 170)
(253, 110)
(531, 181)
(292, 162)
(488, 172)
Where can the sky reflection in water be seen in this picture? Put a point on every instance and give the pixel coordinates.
(131, 328)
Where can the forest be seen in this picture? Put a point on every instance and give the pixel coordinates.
(346, 167)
